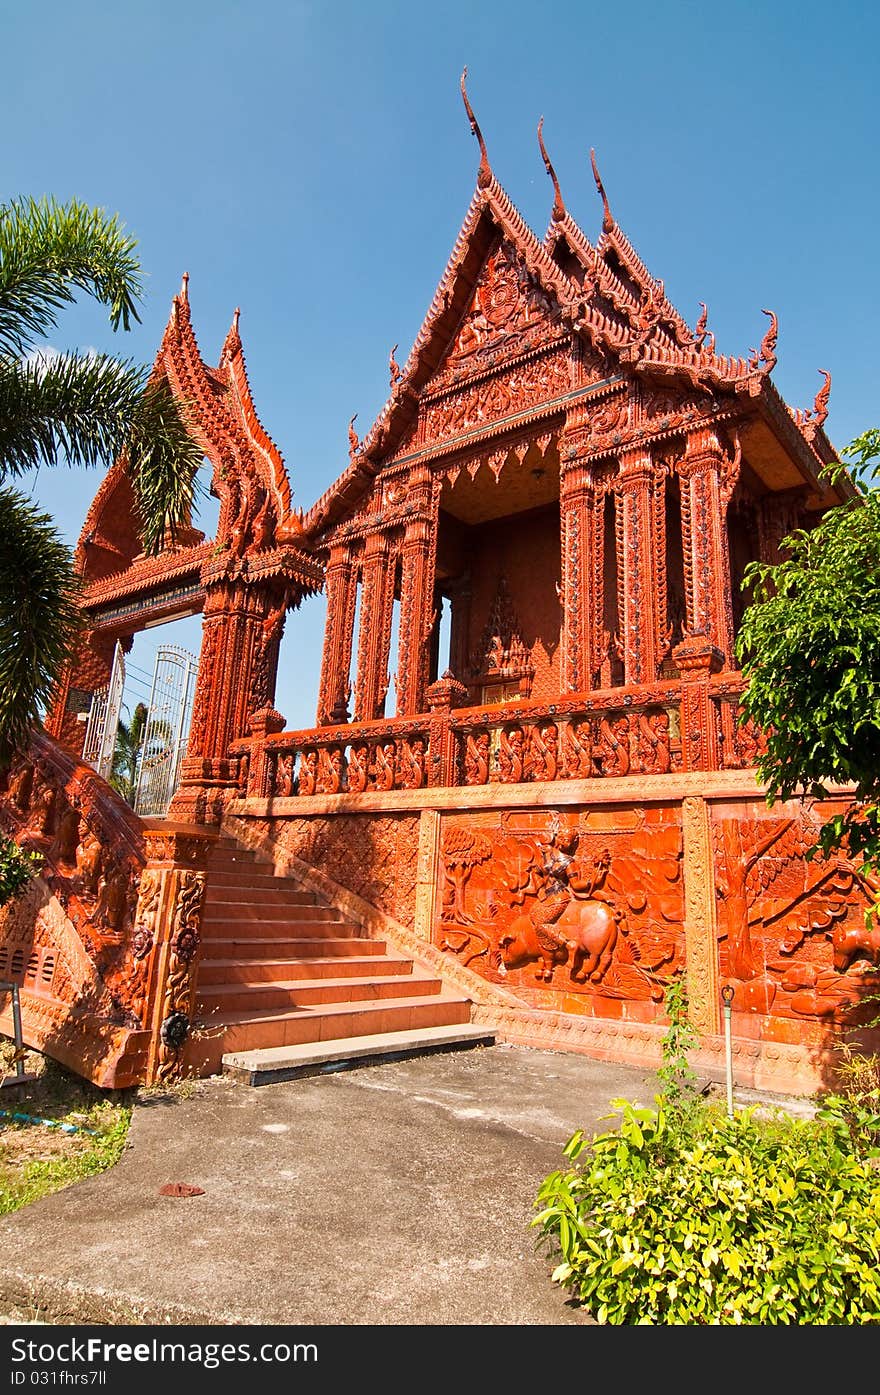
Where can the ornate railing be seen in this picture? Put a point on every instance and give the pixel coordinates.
(131, 890)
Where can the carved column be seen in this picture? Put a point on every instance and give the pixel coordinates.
(582, 541)
(341, 589)
(168, 942)
(374, 640)
(696, 661)
(778, 515)
(426, 875)
(416, 596)
(642, 581)
(236, 677)
(700, 929)
(707, 480)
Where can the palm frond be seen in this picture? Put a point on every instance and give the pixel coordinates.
(39, 618)
(50, 250)
(163, 458)
(73, 408)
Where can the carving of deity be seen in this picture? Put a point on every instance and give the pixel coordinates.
(20, 787)
(41, 823)
(611, 748)
(358, 759)
(329, 778)
(543, 754)
(88, 857)
(577, 745)
(308, 771)
(284, 776)
(385, 761)
(653, 742)
(476, 758)
(511, 756)
(412, 760)
(112, 900)
(67, 837)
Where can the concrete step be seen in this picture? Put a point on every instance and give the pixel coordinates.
(286, 995)
(293, 926)
(330, 1021)
(267, 947)
(219, 971)
(266, 1065)
(243, 892)
(219, 883)
(250, 910)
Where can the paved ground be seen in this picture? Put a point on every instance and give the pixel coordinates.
(394, 1194)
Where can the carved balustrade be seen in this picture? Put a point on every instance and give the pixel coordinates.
(130, 892)
(606, 734)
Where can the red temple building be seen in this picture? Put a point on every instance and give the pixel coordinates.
(548, 810)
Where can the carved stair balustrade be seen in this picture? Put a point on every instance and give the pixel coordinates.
(104, 940)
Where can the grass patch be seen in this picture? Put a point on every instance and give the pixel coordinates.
(37, 1159)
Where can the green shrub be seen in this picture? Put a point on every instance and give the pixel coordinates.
(17, 866)
(731, 1220)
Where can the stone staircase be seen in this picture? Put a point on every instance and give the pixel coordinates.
(287, 986)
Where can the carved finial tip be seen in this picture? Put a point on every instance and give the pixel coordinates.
(558, 204)
(484, 174)
(607, 220)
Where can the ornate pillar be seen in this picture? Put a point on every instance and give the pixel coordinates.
(696, 661)
(167, 940)
(700, 929)
(417, 595)
(374, 640)
(582, 540)
(243, 621)
(707, 479)
(88, 671)
(778, 515)
(341, 589)
(643, 598)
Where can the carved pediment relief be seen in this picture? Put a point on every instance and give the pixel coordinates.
(508, 314)
(502, 655)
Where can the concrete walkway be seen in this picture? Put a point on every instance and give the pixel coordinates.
(394, 1194)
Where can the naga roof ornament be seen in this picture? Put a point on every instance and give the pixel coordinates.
(559, 209)
(607, 217)
(484, 174)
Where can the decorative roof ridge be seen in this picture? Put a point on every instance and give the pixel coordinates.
(233, 364)
(146, 572)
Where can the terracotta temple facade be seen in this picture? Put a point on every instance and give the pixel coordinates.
(549, 806)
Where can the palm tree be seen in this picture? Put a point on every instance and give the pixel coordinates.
(129, 740)
(83, 409)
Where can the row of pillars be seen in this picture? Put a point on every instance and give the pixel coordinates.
(385, 565)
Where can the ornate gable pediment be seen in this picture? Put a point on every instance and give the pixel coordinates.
(508, 314)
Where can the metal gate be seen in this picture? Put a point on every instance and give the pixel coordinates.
(167, 730)
(100, 742)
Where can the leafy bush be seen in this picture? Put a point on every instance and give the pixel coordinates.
(17, 866)
(740, 1220)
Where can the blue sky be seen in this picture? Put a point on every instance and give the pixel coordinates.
(311, 162)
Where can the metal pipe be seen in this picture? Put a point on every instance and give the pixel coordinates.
(727, 999)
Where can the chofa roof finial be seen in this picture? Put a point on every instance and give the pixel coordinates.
(820, 406)
(767, 353)
(184, 286)
(607, 220)
(484, 174)
(558, 204)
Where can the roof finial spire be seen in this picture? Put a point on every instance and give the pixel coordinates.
(184, 286)
(484, 174)
(607, 220)
(820, 406)
(558, 205)
(236, 316)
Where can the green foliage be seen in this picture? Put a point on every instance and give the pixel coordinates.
(39, 618)
(676, 1075)
(745, 1222)
(85, 409)
(810, 647)
(682, 1215)
(17, 866)
(83, 1155)
(129, 740)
